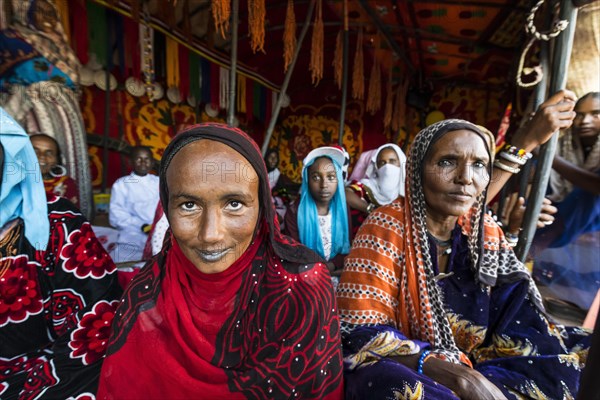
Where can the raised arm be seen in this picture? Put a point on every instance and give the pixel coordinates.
(580, 177)
(355, 202)
(554, 114)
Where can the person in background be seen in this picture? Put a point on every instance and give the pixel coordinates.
(133, 201)
(384, 182)
(58, 286)
(278, 184)
(230, 308)
(359, 171)
(56, 180)
(320, 219)
(575, 179)
(433, 300)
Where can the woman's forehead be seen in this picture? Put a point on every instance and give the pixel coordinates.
(588, 104)
(465, 140)
(387, 152)
(206, 148)
(208, 157)
(43, 140)
(321, 163)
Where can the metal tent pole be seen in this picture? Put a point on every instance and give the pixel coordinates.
(235, 6)
(344, 76)
(560, 63)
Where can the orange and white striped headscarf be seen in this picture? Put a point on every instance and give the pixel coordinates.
(388, 276)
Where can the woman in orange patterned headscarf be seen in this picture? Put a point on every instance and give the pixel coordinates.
(432, 300)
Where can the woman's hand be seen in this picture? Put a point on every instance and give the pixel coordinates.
(467, 383)
(554, 114)
(515, 218)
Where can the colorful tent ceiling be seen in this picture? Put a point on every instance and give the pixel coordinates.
(471, 43)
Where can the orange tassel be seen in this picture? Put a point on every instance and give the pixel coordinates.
(221, 11)
(374, 94)
(389, 103)
(289, 36)
(338, 60)
(256, 24)
(358, 75)
(316, 50)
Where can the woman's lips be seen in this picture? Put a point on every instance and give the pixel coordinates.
(462, 197)
(212, 256)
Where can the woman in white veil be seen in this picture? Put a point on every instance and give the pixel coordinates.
(382, 184)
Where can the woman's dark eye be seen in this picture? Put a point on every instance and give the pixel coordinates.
(235, 205)
(188, 205)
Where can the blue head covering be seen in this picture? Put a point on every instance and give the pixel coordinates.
(308, 220)
(22, 192)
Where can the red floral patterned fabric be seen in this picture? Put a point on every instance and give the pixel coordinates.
(56, 309)
(62, 186)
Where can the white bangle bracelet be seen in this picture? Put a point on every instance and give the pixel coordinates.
(513, 158)
(502, 166)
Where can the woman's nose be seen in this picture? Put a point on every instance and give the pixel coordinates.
(464, 174)
(211, 231)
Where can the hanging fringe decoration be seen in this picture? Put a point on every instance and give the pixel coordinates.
(389, 102)
(221, 10)
(289, 36)
(374, 93)
(223, 88)
(400, 107)
(256, 24)
(316, 51)
(358, 74)
(172, 63)
(338, 59)
(146, 42)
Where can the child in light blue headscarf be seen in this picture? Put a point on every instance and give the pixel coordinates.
(320, 219)
(22, 192)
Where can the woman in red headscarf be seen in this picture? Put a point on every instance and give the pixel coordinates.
(229, 309)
